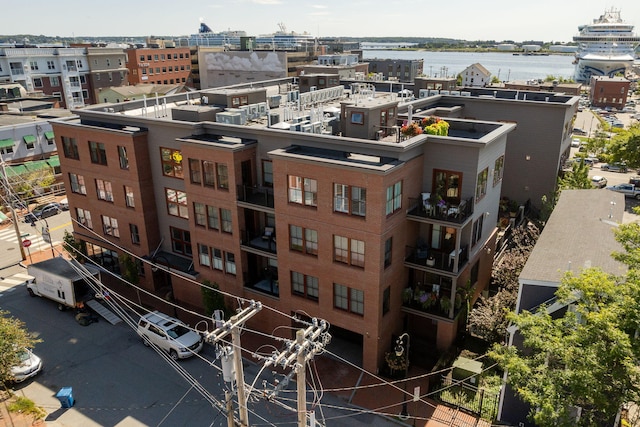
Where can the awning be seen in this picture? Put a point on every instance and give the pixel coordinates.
(54, 161)
(29, 139)
(4, 143)
(16, 170)
(37, 165)
(49, 135)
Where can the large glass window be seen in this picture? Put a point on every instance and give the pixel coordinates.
(203, 255)
(230, 263)
(348, 299)
(481, 184)
(303, 240)
(303, 190)
(84, 218)
(171, 162)
(110, 226)
(223, 176)
(348, 251)
(213, 218)
(200, 212)
(226, 220)
(98, 153)
(194, 171)
(177, 203)
(124, 158)
(394, 198)
(304, 285)
(498, 170)
(447, 185)
(349, 199)
(180, 241)
(105, 192)
(209, 172)
(70, 148)
(128, 196)
(77, 184)
(267, 173)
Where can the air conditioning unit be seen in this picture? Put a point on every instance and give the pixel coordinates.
(274, 101)
(262, 108)
(455, 92)
(306, 128)
(423, 93)
(274, 118)
(433, 92)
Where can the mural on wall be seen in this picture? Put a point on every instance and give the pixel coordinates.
(228, 68)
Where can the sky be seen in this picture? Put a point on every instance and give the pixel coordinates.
(516, 20)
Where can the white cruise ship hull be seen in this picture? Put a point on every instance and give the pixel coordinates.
(594, 65)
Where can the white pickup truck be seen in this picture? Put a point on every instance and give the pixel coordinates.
(629, 190)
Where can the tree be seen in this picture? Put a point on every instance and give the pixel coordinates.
(77, 249)
(13, 336)
(584, 357)
(577, 178)
(212, 298)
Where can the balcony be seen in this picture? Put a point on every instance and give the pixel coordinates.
(431, 301)
(437, 259)
(444, 211)
(260, 243)
(256, 196)
(262, 279)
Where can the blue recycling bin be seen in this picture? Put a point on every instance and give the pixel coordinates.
(65, 396)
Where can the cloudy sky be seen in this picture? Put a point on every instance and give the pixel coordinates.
(546, 20)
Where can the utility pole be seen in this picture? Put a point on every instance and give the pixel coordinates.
(13, 211)
(301, 380)
(232, 326)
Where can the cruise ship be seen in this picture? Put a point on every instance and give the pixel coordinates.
(606, 47)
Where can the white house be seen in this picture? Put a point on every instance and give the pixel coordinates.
(476, 75)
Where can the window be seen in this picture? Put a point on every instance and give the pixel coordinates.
(498, 170)
(349, 199)
(180, 241)
(203, 255)
(200, 212)
(70, 148)
(447, 185)
(84, 218)
(51, 66)
(348, 251)
(177, 203)
(304, 285)
(348, 299)
(98, 153)
(209, 173)
(357, 118)
(29, 141)
(37, 82)
(54, 81)
(105, 192)
(135, 234)
(171, 162)
(213, 218)
(476, 234)
(230, 264)
(303, 190)
(481, 184)
(225, 216)
(122, 155)
(194, 171)
(388, 244)
(110, 226)
(77, 184)
(217, 258)
(473, 275)
(267, 173)
(303, 240)
(128, 197)
(386, 300)
(394, 198)
(223, 176)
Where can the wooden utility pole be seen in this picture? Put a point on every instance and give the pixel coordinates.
(301, 380)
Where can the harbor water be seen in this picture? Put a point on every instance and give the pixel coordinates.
(504, 65)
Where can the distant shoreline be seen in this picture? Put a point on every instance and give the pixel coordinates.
(518, 52)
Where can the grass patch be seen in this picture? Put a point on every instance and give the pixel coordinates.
(25, 406)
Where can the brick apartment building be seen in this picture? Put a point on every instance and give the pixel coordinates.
(159, 65)
(608, 91)
(313, 214)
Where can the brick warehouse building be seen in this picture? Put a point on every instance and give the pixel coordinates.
(312, 213)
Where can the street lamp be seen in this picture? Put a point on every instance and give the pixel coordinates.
(400, 350)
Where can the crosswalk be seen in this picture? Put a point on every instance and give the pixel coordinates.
(37, 243)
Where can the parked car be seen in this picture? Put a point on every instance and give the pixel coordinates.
(64, 204)
(169, 334)
(614, 167)
(598, 181)
(629, 190)
(635, 180)
(575, 142)
(579, 131)
(29, 366)
(43, 211)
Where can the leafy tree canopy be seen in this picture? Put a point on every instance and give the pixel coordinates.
(13, 336)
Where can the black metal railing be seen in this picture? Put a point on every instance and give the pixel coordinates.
(436, 258)
(262, 196)
(444, 211)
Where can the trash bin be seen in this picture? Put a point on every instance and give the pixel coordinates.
(65, 396)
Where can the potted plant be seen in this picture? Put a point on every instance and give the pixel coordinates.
(513, 208)
(407, 295)
(445, 304)
(411, 129)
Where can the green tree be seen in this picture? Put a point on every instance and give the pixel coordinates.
(626, 146)
(585, 357)
(212, 298)
(13, 336)
(74, 247)
(576, 178)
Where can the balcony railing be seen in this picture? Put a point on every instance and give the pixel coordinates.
(424, 299)
(437, 258)
(443, 211)
(261, 196)
(266, 282)
(262, 241)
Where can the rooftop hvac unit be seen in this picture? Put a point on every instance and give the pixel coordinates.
(316, 127)
(455, 92)
(274, 101)
(313, 88)
(241, 111)
(444, 92)
(306, 128)
(423, 93)
(432, 92)
(223, 117)
(253, 111)
(262, 108)
(465, 93)
(236, 118)
(274, 118)
(295, 127)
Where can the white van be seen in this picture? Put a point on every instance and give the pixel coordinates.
(169, 334)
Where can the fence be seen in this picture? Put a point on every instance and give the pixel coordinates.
(477, 401)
